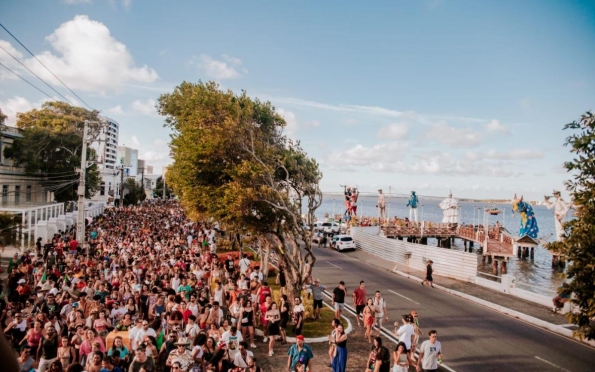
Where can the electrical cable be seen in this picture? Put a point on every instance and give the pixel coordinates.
(33, 55)
(26, 81)
(34, 74)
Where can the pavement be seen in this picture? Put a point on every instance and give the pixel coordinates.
(473, 335)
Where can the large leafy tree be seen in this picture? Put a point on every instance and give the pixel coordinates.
(579, 243)
(51, 146)
(233, 163)
(133, 192)
(158, 191)
(2, 120)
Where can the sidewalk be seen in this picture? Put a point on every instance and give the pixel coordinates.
(514, 303)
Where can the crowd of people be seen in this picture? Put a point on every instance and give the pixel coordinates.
(147, 292)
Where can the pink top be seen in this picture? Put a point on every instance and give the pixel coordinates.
(86, 346)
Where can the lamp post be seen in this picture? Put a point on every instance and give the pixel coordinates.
(80, 221)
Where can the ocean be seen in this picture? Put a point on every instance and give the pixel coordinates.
(536, 272)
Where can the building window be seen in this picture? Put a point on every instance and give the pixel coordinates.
(4, 194)
(17, 194)
(102, 189)
(28, 194)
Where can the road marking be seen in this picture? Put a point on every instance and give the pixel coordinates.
(551, 364)
(338, 267)
(407, 298)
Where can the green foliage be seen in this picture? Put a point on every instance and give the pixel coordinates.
(158, 192)
(52, 144)
(232, 163)
(8, 228)
(133, 192)
(579, 244)
(2, 120)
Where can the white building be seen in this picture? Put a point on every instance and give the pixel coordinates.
(128, 157)
(107, 160)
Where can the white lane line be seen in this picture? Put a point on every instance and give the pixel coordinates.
(407, 298)
(552, 364)
(338, 267)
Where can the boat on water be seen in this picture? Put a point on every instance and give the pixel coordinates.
(493, 211)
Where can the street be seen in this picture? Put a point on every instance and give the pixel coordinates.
(473, 337)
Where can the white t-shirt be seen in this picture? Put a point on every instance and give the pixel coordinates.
(240, 361)
(197, 352)
(232, 342)
(244, 265)
(257, 275)
(430, 354)
(142, 333)
(405, 333)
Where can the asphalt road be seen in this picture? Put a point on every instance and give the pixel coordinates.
(474, 338)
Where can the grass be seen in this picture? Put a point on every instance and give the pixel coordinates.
(311, 328)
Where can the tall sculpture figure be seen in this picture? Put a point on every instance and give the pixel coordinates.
(560, 210)
(450, 209)
(381, 204)
(412, 204)
(528, 222)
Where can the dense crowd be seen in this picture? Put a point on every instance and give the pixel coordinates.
(148, 293)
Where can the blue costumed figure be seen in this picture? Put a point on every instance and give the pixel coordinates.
(412, 204)
(528, 222)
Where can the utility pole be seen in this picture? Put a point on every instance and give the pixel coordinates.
(122, 186)
(80, 221)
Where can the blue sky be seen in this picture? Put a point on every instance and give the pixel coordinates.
(416, 95)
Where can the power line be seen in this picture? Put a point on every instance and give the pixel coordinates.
(54, 75)
(34, 74)
(26, 81)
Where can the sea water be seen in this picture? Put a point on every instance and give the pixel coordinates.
(535, 272)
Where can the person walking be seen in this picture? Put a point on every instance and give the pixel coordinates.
(331, 340)
(369, 314)
(430, 353)
(359, 301)
(381, 313)
(338, 300)
(339, 363)
(429, 271)
(401, 359)
(382, 362)
(299, 353)
(317, 289)
(406, 333)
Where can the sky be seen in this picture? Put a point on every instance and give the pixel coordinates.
(428, 95)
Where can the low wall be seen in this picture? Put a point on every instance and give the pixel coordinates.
(447, 263)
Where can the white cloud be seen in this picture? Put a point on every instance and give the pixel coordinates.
(70, 2)
(219, 69)
(393, 131)
(442, 132)
(146, 107)
(12, 106)
(8, 61)
(89, 58)
(377, 157)
(514, 154)
(135, 141)
(291, 123)
(117, 110)
(495, 126)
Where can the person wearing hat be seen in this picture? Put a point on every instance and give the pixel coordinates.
(299, 352)
(561, 208)
(181, 355)
(429, 271)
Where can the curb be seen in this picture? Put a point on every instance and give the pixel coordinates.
(504, 310)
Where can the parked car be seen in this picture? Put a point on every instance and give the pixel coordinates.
(331, 227)
(343, 242)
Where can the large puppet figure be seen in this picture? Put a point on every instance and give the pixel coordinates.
(528, 222)
(412, 204)
(450, 210)
(381, 204)
(560, 210)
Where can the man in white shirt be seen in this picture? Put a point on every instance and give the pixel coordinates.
(145, 331)
(244, 264)
(381, 313)
(232, 339)
(257, 274)
(243, 355)
(430, 353)
(133, 332)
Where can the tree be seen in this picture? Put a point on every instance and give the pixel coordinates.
(133, 192)
(51, 146)
(233, 164)
(2, 120)
(579, 244)
(158, 191)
